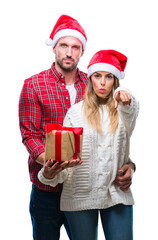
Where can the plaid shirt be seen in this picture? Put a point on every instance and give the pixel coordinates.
(44, 99)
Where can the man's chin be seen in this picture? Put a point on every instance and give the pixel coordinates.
(67, 67)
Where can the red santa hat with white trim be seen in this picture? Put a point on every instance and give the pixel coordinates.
(67, 26)
(109, 61)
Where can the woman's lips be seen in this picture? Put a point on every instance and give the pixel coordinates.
(102, 90)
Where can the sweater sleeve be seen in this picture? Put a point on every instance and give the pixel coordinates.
(59, 178)
(128, 113)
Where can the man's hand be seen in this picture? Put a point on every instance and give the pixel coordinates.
(122, 96)
(52, 168)
(124, 177)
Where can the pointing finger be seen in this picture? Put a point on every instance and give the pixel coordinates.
(117, 98)
(116, 104)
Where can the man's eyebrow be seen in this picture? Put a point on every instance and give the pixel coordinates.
(61, 43)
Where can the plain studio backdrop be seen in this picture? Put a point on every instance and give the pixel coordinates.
(127, 26)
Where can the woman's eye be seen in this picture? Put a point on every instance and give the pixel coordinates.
(109, 76)
(97, 75)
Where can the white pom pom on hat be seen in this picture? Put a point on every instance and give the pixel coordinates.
(66, 26)
(108, 61)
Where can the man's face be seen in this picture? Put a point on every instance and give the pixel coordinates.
(68, 51)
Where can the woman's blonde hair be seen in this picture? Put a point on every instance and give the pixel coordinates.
(92, 105)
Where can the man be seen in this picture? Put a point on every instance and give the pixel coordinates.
(45, 98)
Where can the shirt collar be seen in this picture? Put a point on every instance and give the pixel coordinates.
(60, 77)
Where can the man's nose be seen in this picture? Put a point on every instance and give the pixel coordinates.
(69, 52)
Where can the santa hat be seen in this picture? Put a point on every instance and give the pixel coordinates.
(109, 61)
(64, 27)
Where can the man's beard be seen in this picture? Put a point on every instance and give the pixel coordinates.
(65, 68)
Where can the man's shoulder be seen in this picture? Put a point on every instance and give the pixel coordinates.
(38, 77)
(83, 73)
(84, 76)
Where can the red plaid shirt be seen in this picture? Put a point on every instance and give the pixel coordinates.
(44, 99)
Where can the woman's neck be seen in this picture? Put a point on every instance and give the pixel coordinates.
(102, 101)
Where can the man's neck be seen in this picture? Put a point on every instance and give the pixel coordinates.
(70, 76)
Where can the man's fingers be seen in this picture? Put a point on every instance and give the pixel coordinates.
(125, 187)
(123, 169)
(123, 179)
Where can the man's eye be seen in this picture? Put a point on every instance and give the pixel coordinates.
(75, 47)
(63, 45)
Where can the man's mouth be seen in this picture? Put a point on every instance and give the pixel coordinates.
(69, 60)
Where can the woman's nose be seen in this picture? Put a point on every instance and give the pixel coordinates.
(102, 81)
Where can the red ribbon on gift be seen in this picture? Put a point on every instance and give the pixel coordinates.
(59, 128)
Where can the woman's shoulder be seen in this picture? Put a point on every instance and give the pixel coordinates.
(74, 115)
(76, 107)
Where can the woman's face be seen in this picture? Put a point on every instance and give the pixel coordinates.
(102, 83)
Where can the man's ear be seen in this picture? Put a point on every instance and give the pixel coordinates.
(53, 50)
(82, 52)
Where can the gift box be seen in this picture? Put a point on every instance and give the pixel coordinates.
(63, 143)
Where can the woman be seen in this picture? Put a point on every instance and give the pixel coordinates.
(107, 114)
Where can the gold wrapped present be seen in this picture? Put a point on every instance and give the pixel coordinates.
(63, 143)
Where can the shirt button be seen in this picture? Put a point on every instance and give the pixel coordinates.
(62, 76)
(63, 84)
(67, 97)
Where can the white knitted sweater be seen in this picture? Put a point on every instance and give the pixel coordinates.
(90, 185)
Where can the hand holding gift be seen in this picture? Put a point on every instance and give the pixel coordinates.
(63, 149)
(52, 168)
